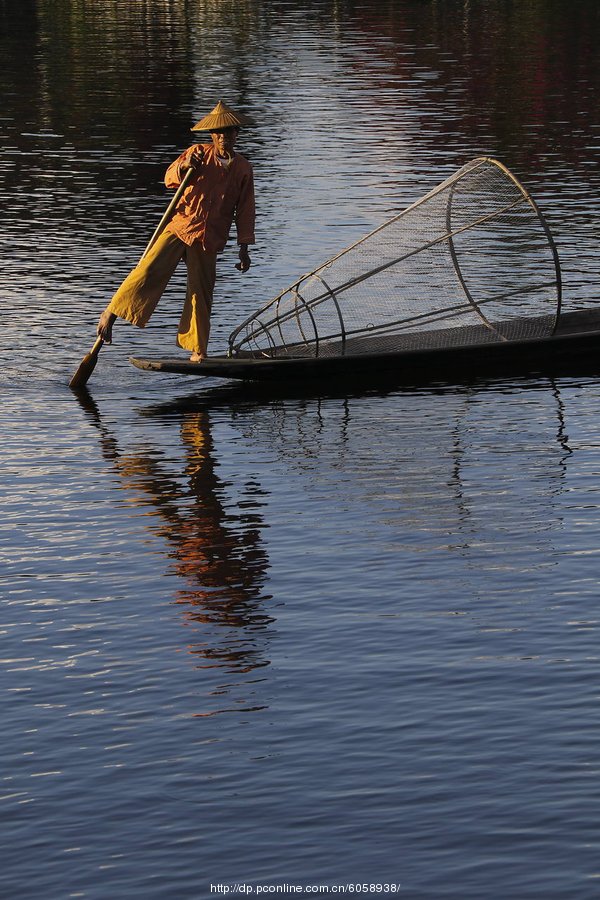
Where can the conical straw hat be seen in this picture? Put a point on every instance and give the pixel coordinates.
(221, 117)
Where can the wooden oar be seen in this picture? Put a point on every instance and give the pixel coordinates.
(88, 363)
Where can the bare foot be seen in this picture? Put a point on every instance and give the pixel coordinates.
(105, 326)
(196, 357)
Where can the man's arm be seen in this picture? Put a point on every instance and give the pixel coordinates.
(245, 211)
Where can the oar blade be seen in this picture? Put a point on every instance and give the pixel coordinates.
(86, 367)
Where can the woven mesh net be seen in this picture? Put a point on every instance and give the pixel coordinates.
(472, 262)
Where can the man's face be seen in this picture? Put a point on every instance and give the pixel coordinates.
(224, 140)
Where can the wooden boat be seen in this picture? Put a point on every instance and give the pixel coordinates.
(464, 282)
(574, 347)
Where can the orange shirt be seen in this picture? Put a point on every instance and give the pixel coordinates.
(215, 197)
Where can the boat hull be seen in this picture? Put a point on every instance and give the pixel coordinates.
(575, 345)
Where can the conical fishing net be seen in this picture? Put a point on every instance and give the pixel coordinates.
(472, 262)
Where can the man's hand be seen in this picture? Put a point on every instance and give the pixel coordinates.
(245, 262)
(194, 160)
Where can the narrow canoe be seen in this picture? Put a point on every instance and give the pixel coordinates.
(574, 345)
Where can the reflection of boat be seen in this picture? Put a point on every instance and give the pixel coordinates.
(466, 281)
(573, 347)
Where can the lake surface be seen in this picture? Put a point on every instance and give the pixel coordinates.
(310, 641)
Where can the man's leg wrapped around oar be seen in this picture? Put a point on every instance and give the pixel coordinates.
(138, 295)
(136, 298)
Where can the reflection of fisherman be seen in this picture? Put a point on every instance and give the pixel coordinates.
(218, 551)
(221, 191)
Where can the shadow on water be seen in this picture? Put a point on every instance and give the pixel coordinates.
(432, 436)
(216, 548)
(229, 394)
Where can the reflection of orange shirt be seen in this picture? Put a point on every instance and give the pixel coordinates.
(216, 196)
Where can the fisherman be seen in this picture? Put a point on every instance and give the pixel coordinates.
(220, 192)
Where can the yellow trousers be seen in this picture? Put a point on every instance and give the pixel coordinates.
(137, 297)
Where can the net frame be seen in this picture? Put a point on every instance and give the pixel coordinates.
(262, 333)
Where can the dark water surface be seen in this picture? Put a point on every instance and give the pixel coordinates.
(319, 640)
